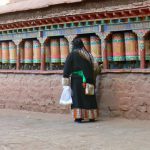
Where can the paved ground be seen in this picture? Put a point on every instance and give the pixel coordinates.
(38, 131)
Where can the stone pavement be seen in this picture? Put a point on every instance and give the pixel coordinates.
(22, 130)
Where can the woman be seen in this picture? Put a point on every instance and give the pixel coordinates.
(79, 66)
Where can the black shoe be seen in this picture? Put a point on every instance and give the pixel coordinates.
(78, 120)
(91, 120)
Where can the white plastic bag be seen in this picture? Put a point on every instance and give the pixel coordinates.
(66, 98)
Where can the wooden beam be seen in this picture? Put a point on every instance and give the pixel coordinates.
(100, 15)
(3, 27)
(108, 15)
(33, 23)
(135, 12)
(8, 26)
(118, 14)
(46, 21)
(61, 19)
(74, 18)
(88, 16)
(143, 11)
(53, 20)
(77, 17)
(94, 16)
(23, 24)
(38, 22)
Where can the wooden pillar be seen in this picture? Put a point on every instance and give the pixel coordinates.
(18, 58)
(42, 57)
(17, 42)
(103, 37)
(141, 46)
(104, 54)
(43, 64)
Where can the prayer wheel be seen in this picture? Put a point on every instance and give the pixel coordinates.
(147, 49)
(55, 51)
(0, 52)
(12, 52)
(118, 47)
(47, 52)
(5, 52)
(21, 52)
(86, 42)
(36, 51)
(131, 46)
(96, 48)
(109, 49)
(64, 49)
(28, 52)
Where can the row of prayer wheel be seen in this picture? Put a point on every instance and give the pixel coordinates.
(30, 52)
(8, 52)
(56, 51)
(124, 47)
(120, 47)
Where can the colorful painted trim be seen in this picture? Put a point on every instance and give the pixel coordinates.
(130, 39)
(85, 114)
(118, 40)
(110, 58)
(131, 57)
(36, 60)
(119, 58)
(95, 43)
(12, 61)
(28, 61)
(48, 60)
(55, 60)
(63, 60)
(5, 61)
(147, 57)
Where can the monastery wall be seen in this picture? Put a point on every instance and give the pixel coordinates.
(126, 95)
(70, 9)
(118, 94)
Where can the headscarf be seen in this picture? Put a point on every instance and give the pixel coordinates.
(78, 46)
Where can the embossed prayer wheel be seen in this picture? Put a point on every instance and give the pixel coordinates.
(5, 52)
(147, 48)
(28, 52)
(0, 52)
(36, 51)
(55, 50)
(118, 47)
(86, 42)
(95, 44)
(12, 52)
(64, 49)
(47, 52)
(21, 52)
(109, 49)
(131, 46)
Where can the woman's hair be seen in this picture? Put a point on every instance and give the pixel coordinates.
(77, 44)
